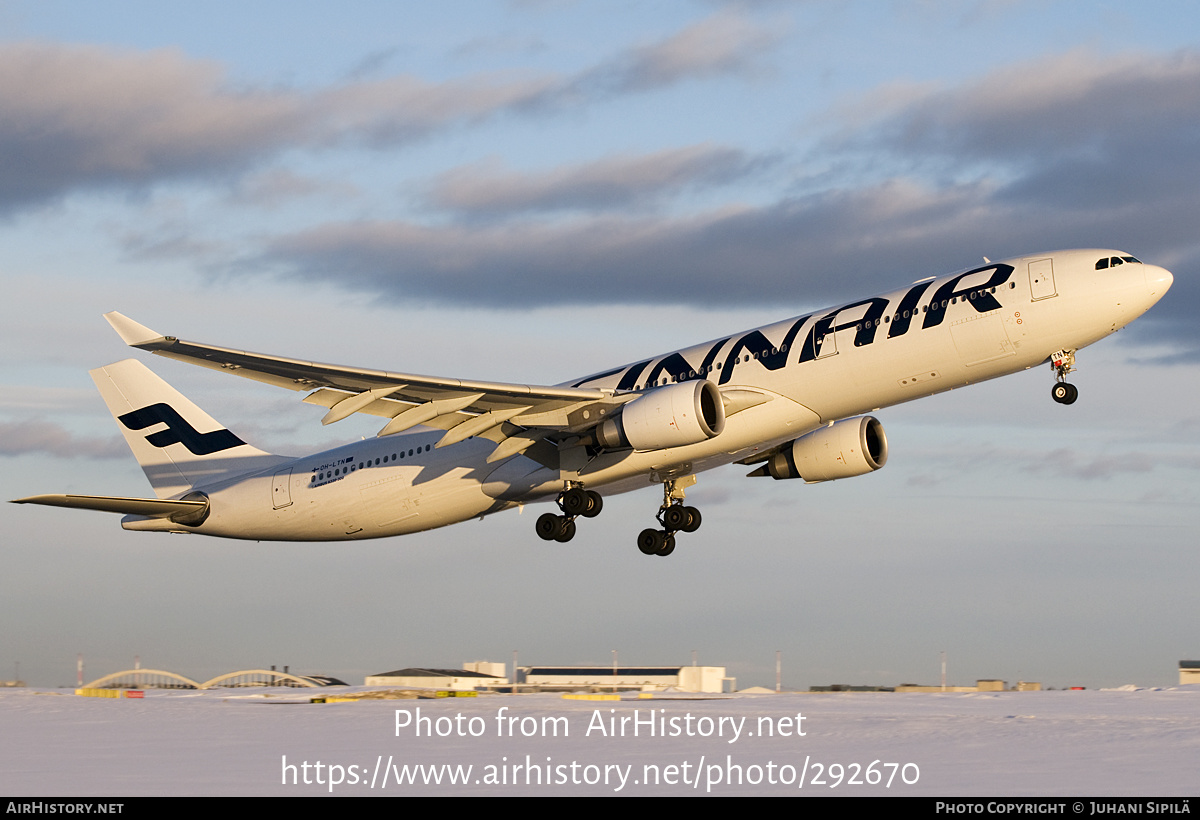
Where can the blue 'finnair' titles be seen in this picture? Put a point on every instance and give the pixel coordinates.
(788, 399)
(876, 314)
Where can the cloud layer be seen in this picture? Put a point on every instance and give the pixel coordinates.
(1080, 149)
(82, 117)
(1075, 151)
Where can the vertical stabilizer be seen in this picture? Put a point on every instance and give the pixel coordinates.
(178, 445)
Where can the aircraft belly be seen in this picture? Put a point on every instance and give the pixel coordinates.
(366, 504)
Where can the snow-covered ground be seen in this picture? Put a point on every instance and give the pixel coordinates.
(268, 742)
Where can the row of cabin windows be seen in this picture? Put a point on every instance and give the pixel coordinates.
(337, 471)
(783, 349)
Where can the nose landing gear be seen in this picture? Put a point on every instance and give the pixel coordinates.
(1063, 362)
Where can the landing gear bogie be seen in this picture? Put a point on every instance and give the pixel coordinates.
(674, 516)
(574, 501)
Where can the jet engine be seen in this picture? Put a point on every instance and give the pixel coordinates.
(846, 448)
(671, 416)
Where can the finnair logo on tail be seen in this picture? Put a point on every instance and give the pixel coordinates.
(178, 430)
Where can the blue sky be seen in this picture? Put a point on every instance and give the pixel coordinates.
(533, 191)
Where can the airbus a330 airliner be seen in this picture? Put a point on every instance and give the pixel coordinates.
(787, 398)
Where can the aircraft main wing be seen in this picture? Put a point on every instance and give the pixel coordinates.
(462, 408)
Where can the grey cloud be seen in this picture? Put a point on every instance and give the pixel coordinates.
(386, 112)
(500, 44)
(823, 244)
(373, 63)
(1102, 148)
(815, 248)
(1080, 102)
(725, 43)
(614, 182)
(86, 117)
(1067, 152)
(805, 251)
(1063, 462)
(100, 117)
(279, 186)
(28, 398)
(1076, 130)
(36, 436)
(1068, 463)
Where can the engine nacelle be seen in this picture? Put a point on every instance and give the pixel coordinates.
(672, 416)
(846, 448)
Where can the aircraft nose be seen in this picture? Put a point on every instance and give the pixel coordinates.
(1158, 280)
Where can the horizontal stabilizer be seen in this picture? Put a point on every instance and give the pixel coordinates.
(150, 507)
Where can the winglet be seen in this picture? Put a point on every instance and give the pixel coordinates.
(132, 333)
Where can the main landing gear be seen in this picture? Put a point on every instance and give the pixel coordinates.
(674, 517)
(1063, 362)
(573, 501)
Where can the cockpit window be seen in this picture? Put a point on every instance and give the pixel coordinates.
(1113, 261)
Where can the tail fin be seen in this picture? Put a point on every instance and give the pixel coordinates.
(178, 445)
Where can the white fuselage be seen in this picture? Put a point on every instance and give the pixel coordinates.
(791, 378)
